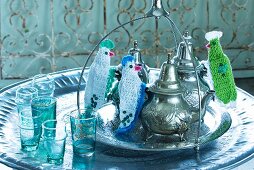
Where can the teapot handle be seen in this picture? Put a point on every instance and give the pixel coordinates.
(150, 96)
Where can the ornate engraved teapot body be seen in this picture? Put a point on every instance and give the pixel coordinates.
(188, 79)
(166, 111)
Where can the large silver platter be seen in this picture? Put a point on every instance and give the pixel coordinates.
(231, 149)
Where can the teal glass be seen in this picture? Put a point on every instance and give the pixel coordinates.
(54, 139)
(24, 96)
(45, 84)
(84, 163)
(46, 106)
(83, 130)
(30, 130)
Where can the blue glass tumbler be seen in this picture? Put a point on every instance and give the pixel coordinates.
(83, 130)
(54, 139)
(24, 96)
(30, 130)
(46, 106)
(84, 163)
(45, 84)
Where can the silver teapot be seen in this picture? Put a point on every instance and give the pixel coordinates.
(187, 76)
(166, 112)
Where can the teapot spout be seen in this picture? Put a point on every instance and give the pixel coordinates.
(206, 100)
(202, 71)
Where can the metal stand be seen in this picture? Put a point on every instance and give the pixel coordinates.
(157, 10)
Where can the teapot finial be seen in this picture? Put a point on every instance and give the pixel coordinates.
(135, 43)
(186, 33)
(170, 57)
(186, 36)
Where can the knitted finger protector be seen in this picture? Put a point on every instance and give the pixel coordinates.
(100, 79)
(221, 71)
(132, 94)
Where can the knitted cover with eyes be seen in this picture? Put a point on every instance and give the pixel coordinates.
(220, 68)
(131, 93)
(99, 78)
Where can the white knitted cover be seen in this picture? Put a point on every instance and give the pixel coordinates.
(129, 93)
(97, 79)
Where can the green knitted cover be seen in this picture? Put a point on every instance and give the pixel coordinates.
(221, 71)
(111, 79)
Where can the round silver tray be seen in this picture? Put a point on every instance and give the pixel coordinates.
(231, 149)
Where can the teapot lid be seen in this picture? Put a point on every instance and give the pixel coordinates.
(168, 82)
(185, 58)
(135, 52)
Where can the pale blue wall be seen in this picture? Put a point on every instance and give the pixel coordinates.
(35, 46)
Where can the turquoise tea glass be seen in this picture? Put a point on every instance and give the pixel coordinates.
(30, 130)
(83, 130)
(54, 139)
(46, 106)
(24, 96)
(84, 163)
(45, 84)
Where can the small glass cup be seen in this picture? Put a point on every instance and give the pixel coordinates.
(45, 84)
(83, 130)
(54, 139)
(46, 106)
(84, 163)
(24, 96)
(30, 130)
